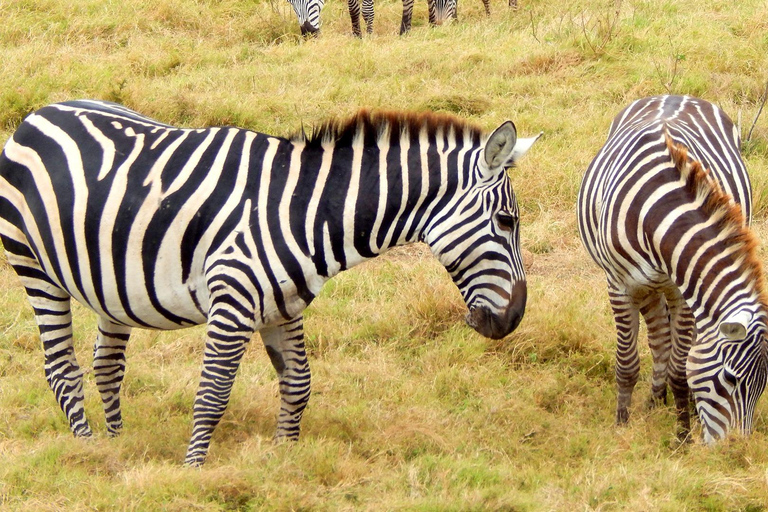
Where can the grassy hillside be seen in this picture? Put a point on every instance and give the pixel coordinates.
(410, 408)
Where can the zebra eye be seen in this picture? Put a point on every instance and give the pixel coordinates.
(729, 378)
(506, 220)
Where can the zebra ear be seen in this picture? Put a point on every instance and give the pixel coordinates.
(522, 146)
(500, 146)
(734, 328)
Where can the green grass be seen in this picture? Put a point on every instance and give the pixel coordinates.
(411, 410)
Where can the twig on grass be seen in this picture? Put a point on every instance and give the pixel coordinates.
(759, 111)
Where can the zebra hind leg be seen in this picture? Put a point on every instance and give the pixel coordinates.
(285, 345)
(656, 316)
(53, 315)
(626, 317)
(109, 369)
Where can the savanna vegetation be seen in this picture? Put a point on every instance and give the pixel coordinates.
(411, 409)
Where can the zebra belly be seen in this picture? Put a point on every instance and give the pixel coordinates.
(140, 304)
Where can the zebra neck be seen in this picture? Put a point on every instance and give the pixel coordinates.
(354, 202)
(714, 267)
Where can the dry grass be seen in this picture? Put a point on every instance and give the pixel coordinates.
(411, 409)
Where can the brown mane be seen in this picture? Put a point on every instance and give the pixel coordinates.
(373, 124)
(717, 202)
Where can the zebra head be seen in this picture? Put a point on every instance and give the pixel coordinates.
(308, 12)
(728, 374)
(441, 11)
(477, 237)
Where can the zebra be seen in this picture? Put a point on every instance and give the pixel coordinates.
(308, 13)
(159, 227)
(440, 11)
(664, 208)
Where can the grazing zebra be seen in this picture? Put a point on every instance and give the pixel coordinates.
(160, 227)
(664, 209)
(439, 12)
(308, 13)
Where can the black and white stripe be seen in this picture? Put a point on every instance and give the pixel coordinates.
(160, 227)
(440, 11)
(664, 209)
(308, 14)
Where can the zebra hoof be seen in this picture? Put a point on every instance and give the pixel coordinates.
(194, 460)
(656, 401)
(684, 435)
(114, 430)
(285, 438)
(622, 416)
(83, 431)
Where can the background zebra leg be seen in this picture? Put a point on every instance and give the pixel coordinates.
(285, 345)
(656, 316)
(224, 350)
(487, 5)
(432, 8)
(684, 336)
(65, 377)
(354, 15)
(405, 24)
(368, 15)
(626, 316)
(109, 369)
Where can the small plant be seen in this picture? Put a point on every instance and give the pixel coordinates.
(668, 74)
(601, 28)
(759, 111)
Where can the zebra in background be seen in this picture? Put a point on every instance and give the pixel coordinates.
(440, 11)
(159, 227)
(308, 13)
(664, 209)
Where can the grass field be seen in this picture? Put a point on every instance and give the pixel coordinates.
(411, 409)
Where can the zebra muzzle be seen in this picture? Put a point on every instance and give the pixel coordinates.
(497, 325)
(308, 30)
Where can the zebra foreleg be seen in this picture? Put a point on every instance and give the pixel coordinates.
(109, 369)
(227, 337)
(285, 345)
(656, 316)
(683, 337)
(626, 316)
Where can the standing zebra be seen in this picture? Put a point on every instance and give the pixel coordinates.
(160, 227)
(308, 13)
(664, 209)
